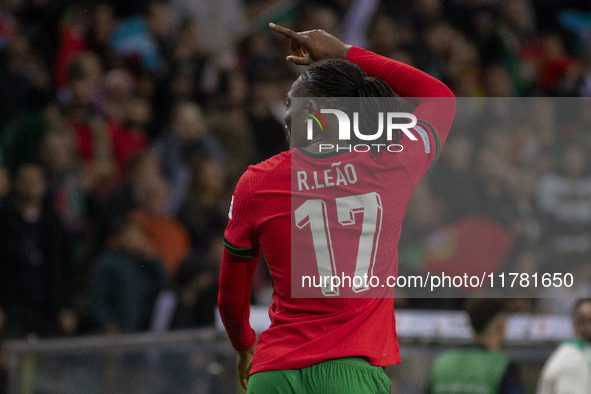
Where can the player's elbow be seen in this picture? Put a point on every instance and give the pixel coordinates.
(444, 91)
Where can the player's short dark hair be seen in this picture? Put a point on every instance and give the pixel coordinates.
(578, 305)
(342, 78)
(482, 311)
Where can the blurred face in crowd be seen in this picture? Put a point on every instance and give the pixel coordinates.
(30, 183)
(188, 41)
(57, 153)
(87, 79)
(139, 112)
(132, 238)
(183, 84)
(383, 34)
(582, 321)
(428, 9)
(321, 17)
(103, 21)
(93, 70)
(188, 122)
(153, 196)
(158, 19)
(440, 38)
(517, 14)
(119, 86)
(210, 177)
(237, 88)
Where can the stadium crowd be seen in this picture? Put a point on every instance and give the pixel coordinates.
(124, 127)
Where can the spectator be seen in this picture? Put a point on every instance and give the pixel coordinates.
(193, 300)
(194, 75)
(35, 279)
(126, 280)
(85, 116)
(67, 197)
(456, 189)
(265, 112)
(186, 141)
(100, 29)
(169, 237)
(197, 289)
(24, 76)
(21, 139)
(229, 122)
(119, 85)
(220, 24)
(64, 187)
(481, 367)
(567, 370)
(123, 197)
(130, 135)
(201, 212)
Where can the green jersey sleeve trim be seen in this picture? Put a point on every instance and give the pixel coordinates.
(239, 252)
(437, 142)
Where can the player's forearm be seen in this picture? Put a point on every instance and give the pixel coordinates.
(234, 300)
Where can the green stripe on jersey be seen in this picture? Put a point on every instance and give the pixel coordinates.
(238, 252)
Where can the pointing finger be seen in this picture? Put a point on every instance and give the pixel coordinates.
(286, 32)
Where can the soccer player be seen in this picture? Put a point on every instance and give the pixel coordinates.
(327, 344)
(568, 370)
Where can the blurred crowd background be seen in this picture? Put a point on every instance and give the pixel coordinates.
(125, 125)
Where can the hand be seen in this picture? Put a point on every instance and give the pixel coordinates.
(312, 46)
(244, 362)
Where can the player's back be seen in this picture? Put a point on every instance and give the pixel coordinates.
(329, 217)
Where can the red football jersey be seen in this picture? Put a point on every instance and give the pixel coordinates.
(359, 202)
(305, 331)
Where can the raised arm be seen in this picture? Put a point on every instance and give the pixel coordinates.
(435, 102)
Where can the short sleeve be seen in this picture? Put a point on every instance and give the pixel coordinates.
(240, 237)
